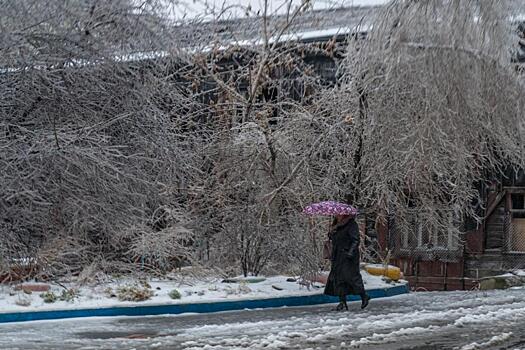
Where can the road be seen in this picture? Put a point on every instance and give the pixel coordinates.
(438, 320)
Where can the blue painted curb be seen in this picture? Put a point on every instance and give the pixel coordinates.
(175, 309)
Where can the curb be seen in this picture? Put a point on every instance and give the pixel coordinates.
(175, 309)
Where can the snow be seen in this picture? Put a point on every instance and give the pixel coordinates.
(232, 9)
(387, 337)
(508, 274)
(149, 55)
(520, 273)
(297, 36)
(495, 340)
(191, 290)
(380, 266)
(490, 319)
(329, 32)
(491, 316)
(520, 17)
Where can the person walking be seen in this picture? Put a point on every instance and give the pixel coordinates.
(345, 276)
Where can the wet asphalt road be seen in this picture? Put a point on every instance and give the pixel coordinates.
(439, 320)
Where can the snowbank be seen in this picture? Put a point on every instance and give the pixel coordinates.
(191, 291)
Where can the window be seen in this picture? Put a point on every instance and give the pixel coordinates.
(421, 235)
(517, 201)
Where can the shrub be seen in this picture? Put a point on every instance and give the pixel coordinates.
(133, 293)
(49, 297)
(69, 295)
(175, 294)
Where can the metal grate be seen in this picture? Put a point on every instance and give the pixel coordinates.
(516, 235)
(514, 232)
(513, 247)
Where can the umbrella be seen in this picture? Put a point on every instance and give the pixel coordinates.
(330, 208)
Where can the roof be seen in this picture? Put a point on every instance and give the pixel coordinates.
(210, 10)
(312, 26)
(317, 24)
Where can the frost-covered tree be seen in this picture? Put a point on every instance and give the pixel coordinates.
(91, 158)
(128, 141)
(436, 105)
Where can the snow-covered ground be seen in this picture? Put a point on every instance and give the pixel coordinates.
(191, 291)
(435, 320)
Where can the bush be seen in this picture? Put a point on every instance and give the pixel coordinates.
(133, 293)
(49, 297)
(175, 294)
(69, 295)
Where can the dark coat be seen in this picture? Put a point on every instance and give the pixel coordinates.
(345, 277)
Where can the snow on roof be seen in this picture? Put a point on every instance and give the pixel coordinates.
(235, 9)
(325, 19)
(307, 26)
(324, 33)
(303, 36)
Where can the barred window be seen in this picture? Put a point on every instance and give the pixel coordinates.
(421, 234)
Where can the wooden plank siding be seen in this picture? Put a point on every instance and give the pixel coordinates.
(495, 227)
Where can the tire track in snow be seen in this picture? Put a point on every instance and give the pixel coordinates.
(355, 331)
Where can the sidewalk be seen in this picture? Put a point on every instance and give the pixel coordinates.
(195, 307)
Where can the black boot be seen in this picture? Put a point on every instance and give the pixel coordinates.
(341, 306)
(364, 300)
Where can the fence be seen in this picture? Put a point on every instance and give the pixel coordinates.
(514, 240)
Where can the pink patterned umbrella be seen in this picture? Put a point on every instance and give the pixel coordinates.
(330, 208)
